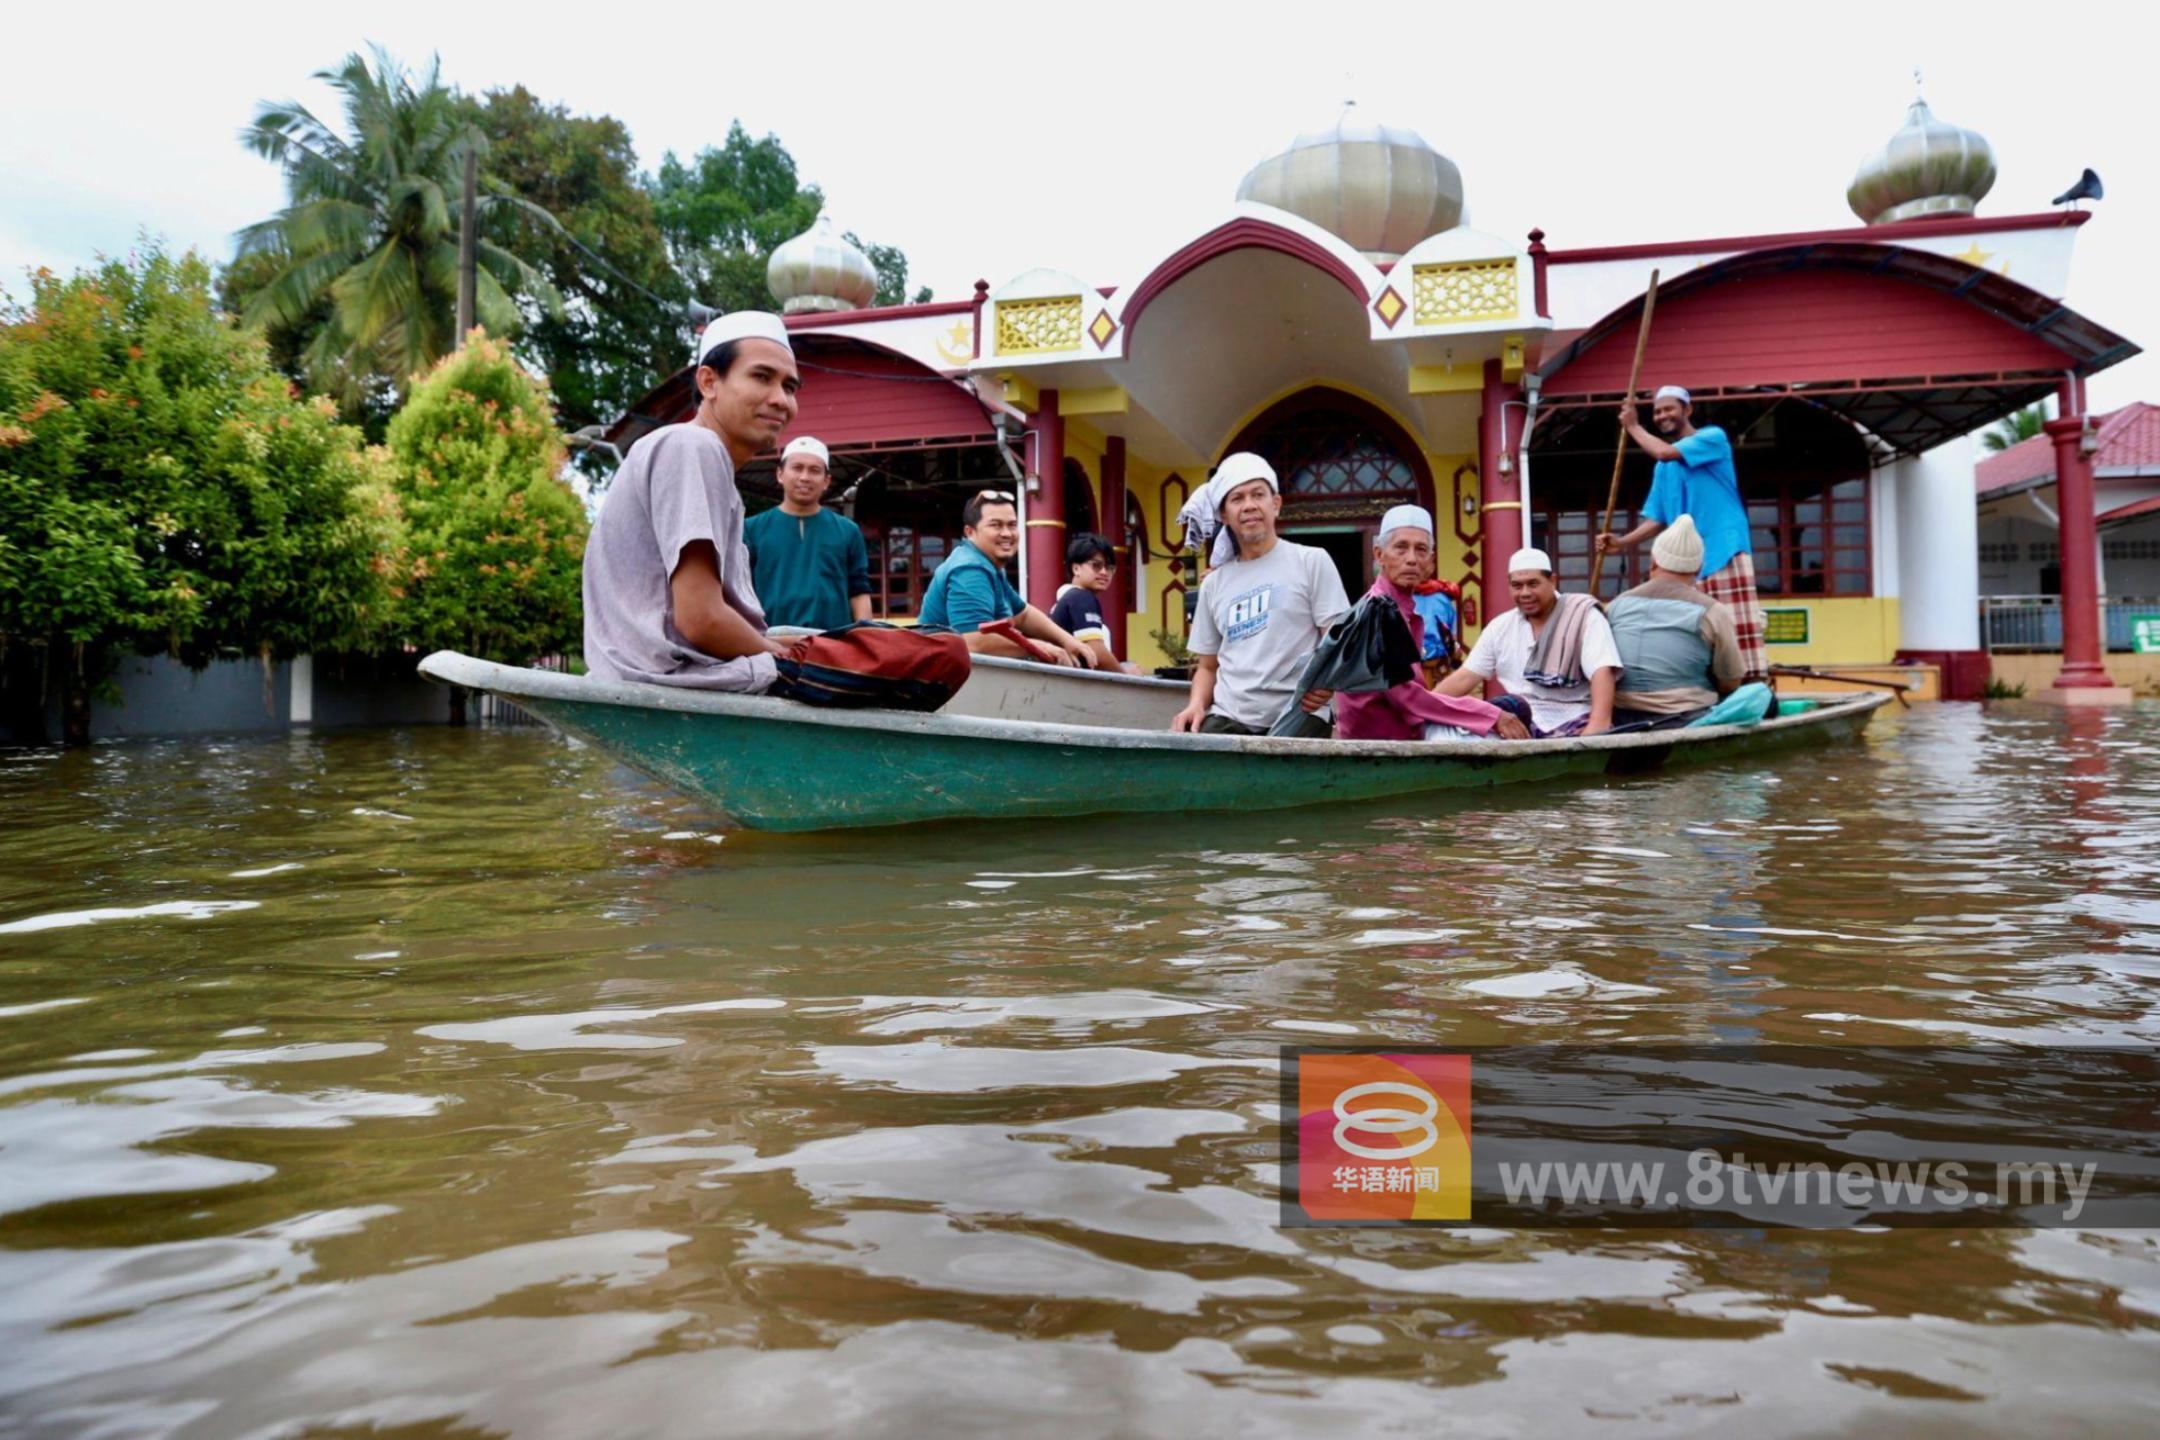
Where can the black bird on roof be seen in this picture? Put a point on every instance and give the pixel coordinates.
(2087, 188)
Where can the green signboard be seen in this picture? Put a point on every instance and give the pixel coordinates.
(2145, 634)
(1785, 627)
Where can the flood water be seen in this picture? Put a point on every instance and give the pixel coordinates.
(433, 1083)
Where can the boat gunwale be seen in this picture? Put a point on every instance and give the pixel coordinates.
(549, 686)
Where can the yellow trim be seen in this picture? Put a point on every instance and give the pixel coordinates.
(1446, 380)
(1033, 523)
(1511, 358)
(1098, 400)
(1020, 392)
(1493, 505)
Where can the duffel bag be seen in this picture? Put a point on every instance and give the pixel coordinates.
(871, 664)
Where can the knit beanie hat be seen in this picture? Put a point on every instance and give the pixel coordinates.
(1678, 547)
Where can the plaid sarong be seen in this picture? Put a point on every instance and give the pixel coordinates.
(1734, 587)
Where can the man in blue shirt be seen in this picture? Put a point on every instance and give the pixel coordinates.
(970, 589)
(1694, 476)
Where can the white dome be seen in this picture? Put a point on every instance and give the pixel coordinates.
(818, 270)
(1928, 169)
(1379, 188)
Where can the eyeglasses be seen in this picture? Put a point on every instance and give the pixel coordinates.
(1004, 495)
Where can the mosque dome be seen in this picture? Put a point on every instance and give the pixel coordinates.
(819, 270)
(1927, 170)
(1378, 188)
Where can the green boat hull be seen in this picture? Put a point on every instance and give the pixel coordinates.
(776, 765)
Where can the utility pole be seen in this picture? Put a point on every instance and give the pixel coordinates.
(468, 274)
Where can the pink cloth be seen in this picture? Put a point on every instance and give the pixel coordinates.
(1402, 713)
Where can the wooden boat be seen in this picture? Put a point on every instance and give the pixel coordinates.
(779, 765)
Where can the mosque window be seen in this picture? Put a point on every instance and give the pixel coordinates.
(902, 560)
(1811, 539)
(1319, 456)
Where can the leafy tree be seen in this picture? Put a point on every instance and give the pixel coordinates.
(623, 322)
(725, 211)
(162, 490)
(497, 537)
(890, 262)
(368, 239)
(2012, 429)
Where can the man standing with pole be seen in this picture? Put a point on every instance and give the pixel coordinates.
(1695, 476)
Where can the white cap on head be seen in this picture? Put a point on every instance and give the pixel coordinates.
(1202, 515)
(1672, 392)
(1411, 517)
(1235, 470)
(1529, 558)
(741, 325)
(808, 445)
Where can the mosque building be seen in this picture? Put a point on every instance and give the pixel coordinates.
(1341, 318)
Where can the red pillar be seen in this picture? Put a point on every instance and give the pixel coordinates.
(1046, 507)
(1499, 478)
(2082, 668)
(1113, 527)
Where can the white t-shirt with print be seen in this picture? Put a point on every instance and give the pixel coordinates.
(1503, 652)
(1261, 619)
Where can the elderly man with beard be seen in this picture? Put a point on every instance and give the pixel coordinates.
(1403, 559)
(1695, 476)
(970, 589)
(1264, 606)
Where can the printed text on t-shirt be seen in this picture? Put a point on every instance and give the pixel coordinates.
(1247, 615)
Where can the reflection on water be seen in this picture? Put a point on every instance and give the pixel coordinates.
(454, 1082)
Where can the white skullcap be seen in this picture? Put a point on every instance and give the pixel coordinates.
(1413, 517)
(1202, 515)
(1529, 558)
(1672, 392)
(741, 325)
(808, 445)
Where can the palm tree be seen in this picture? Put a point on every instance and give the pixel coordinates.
(2012, 429)
(366, 248)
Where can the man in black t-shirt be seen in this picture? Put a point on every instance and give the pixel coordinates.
(1079, 607)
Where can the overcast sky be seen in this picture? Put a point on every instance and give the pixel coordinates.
(988, 139)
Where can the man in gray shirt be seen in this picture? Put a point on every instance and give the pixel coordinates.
(1265, 605)
(668, 595)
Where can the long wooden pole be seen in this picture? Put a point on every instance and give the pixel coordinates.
(1634, 375)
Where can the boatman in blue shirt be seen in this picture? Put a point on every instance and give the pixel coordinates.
(1695, 476)
(970, 589)
(809, 564)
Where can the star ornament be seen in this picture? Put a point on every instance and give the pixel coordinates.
(958, 343)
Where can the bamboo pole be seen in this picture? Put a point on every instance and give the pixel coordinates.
(1634, 375)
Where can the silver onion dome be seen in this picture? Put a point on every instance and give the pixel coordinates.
(819, 270)
(1379, 188)
(1928, 169)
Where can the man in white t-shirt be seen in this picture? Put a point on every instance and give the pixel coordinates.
(1555, 651)
(1264, 606)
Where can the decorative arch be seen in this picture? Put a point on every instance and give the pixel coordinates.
(1243, 233)
(1337, 456)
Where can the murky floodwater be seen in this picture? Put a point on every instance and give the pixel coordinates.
(439, 1083)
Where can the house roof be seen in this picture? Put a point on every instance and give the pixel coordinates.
(2129, 442)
